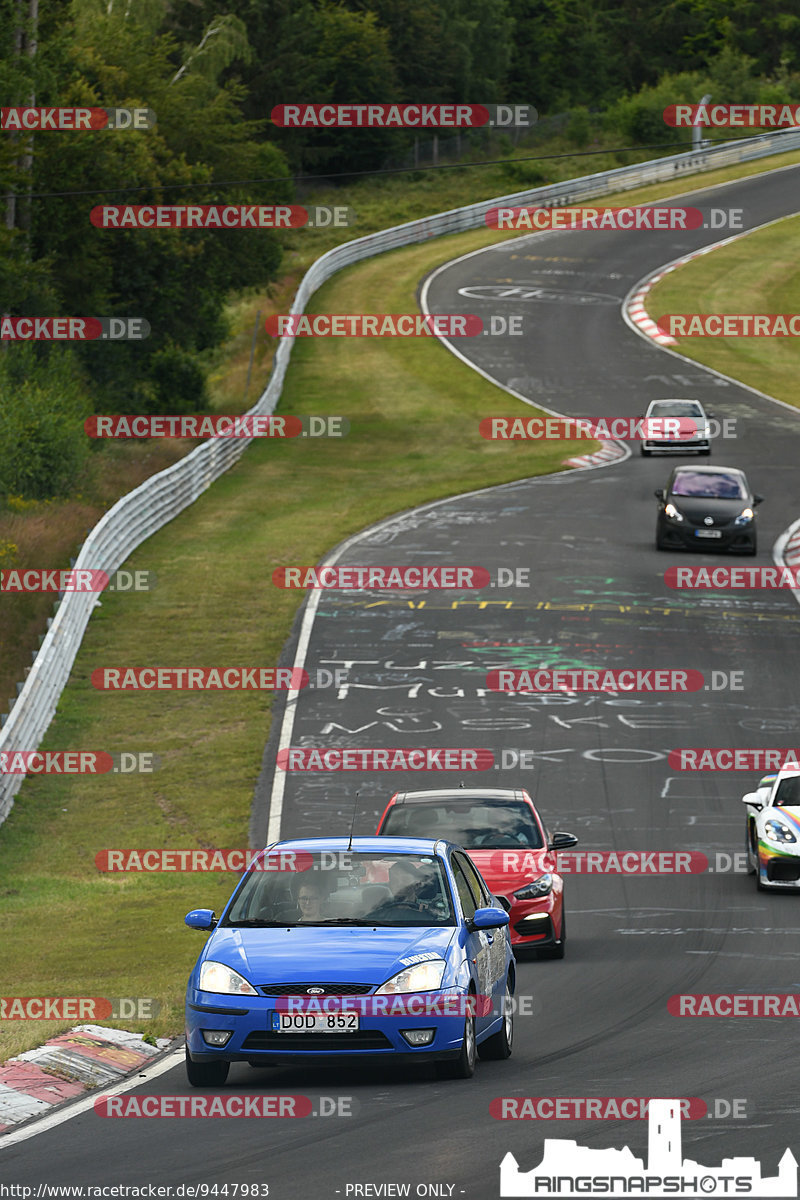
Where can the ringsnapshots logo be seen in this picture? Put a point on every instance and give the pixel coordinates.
(404, 116)
(568, 1170)
(75, 119)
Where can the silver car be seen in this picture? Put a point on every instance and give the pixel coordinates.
(694, 436)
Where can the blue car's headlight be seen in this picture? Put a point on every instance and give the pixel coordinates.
(776, 831)
(536, 888)
(422, 977)
(672, 513)
(216, 977)
(744, 517)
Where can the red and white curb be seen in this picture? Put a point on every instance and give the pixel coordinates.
(634, 311)
(633, 306)
(608, 452)
(86, 1057)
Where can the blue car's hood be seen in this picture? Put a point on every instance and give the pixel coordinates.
(345, 954)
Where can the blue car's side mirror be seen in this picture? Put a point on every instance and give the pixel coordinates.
(200, 918)
(489, 918)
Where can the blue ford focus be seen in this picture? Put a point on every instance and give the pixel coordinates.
(332, 949)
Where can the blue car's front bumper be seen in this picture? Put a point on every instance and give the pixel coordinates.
(249, 1018)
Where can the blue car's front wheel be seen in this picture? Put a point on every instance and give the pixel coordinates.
(462, 1067)
(498, 1046)
(206, 1074)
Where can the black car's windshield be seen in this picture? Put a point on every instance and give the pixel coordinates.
(720, 486)
(342, 888)
(474, 824)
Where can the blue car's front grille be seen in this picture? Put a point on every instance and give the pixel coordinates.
(328, 989)
(365, 1039)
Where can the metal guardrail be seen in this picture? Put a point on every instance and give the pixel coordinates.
(155, 502)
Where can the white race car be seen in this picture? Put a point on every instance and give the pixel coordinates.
(773, 830)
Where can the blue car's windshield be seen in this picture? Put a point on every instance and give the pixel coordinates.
(343, 888)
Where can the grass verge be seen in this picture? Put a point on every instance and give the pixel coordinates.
(758, 273)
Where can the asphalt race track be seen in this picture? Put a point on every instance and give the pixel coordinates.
(416, 666)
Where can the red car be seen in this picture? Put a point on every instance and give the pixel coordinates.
(507, 841)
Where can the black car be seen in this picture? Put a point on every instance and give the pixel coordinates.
(710, 507)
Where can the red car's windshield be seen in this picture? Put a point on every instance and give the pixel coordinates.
(474, 824)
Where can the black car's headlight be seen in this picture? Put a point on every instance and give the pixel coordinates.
(216, 977)
(672, 513)
(776, 831)
(744, 517)
(536, 888)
